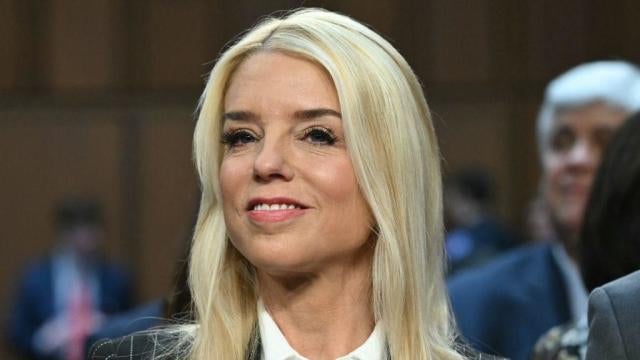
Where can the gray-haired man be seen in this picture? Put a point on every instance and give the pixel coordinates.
(506, 306)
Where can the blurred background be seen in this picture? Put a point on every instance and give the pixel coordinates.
(97, 100)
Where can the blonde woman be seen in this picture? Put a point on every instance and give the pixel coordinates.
(320, 229)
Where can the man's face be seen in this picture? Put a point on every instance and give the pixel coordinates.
(84, 239)
(570, 159)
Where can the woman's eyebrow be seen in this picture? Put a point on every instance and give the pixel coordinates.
(316, 113)
(308, 114)
(239, 115)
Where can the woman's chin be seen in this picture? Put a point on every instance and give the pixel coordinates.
(281, 263)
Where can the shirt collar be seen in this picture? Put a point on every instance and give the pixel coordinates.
(576, 291)
(276, 347)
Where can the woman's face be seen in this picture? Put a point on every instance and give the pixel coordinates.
(290, 197)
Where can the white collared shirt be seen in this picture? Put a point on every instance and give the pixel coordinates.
(576, 291)
(276, 347)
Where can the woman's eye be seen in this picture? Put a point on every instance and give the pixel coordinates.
(319, 136)
(237, 138)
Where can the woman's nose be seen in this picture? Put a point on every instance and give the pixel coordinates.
(272, 161)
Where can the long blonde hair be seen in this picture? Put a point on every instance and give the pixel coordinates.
(395, 156)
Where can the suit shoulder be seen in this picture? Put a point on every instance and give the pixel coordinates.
(483, 356)
(512, 265)
(628, 285)
(472, 354)
(37, 268)
(101, 349)
(139, 346)
(619, 298)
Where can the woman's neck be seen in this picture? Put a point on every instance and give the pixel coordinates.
(323, 315)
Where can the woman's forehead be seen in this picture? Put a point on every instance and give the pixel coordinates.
(268, 80)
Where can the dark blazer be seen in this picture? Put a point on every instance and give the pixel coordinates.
(140, 318)
(505, 306)
(34, 303)
(145, 346)
(614, 320)
(131, 347)
(140, 346)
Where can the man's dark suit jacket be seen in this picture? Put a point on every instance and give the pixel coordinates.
(614, 320)
(504, 307)
(35, 301)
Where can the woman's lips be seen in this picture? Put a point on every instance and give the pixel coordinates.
(274, 209)
(275, 215)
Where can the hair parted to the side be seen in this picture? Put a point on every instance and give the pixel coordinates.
(395, 156)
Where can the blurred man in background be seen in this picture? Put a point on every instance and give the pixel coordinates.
(505, 306)
(474, 235)
(64, 296)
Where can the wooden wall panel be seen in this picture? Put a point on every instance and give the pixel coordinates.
(558, 40)
(81, 47)
(477, 135)
(522, 160)
(458, 41)
(19, 35)
(508, 43)
(388, 25)
(177, 43)
(225, 20)
(9, 29)
(168, 194)
(628, 32)
(613, 29)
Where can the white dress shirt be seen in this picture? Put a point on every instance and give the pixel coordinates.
(276, 347)
(576, 291)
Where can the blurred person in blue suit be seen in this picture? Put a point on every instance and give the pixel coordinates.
(609, 249)
(505, 306)
(64, 296)
(474, 235)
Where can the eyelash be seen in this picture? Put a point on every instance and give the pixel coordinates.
(234, 138)
(328, 137)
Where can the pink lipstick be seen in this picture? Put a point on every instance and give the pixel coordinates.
(275, 209)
